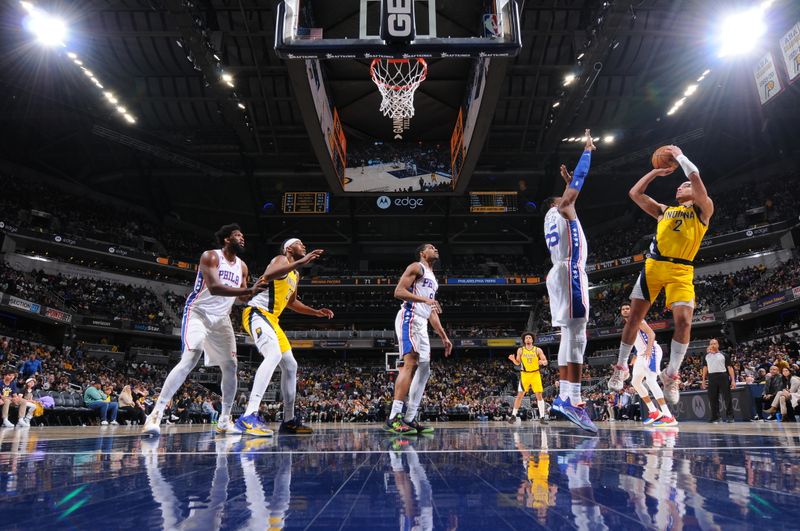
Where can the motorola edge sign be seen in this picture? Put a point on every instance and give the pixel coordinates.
(385, 202)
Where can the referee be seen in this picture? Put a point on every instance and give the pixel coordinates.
(718, 370)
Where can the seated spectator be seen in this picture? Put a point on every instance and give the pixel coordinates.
(130, 407)
(208, 409)
(11, 395)
(786, 399)
(95, 399)
(775, 384)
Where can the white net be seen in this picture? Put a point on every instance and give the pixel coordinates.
(397, 81)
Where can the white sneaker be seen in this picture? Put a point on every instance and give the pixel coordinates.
(23, 423)
(617, 380)
(114, 423)
(152, 424)
(7, 423)
(104, 423)
(671, 383)
(226, 426)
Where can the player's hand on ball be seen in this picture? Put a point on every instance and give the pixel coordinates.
(325, 312)
(675, 151)
(661, 172)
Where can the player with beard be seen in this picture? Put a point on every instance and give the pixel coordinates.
(261, 320)
(417, 289)
(206, 326)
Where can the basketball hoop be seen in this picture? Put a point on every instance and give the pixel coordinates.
(397, 81)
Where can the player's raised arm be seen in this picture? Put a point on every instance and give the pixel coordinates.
(280, 266)
(699, 193)
(645, 202)
(209, 268)
(576, 180)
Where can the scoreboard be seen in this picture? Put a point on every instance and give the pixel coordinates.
(306, 203)
(492, 202)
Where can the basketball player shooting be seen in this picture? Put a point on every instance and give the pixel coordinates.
(206, 327)
(669, 265)
(567, 288)
(417, 289)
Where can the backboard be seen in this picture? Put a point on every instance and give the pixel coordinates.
(352, 29)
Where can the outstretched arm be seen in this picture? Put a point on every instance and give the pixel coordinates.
(567, 205)
(645, 202)
(297, 306)
(699, 192)
(280, 266)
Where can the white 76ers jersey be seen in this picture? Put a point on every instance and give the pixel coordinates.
(565, 239)
(201, 299)
(425, 286)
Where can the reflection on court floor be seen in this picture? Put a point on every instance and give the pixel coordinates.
(467, 476)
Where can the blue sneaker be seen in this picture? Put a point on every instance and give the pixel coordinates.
(253, 425)
(558, 405)
(577, 415)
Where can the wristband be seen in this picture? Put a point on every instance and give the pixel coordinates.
(687, 165)
(581, 170)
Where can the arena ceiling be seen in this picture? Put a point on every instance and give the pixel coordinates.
(194, 150)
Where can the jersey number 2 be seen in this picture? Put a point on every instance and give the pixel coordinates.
(677, 226)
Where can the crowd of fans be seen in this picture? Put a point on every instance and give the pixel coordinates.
(426, 158)
(86, 296)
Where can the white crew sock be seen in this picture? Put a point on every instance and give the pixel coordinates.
(624, 354)
(563, 389)
(397, 408)
(677, 352)
(540, 403)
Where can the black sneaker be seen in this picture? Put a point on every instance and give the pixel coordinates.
(294, 427)
(398, 426)
(419, 427)
(544, 420)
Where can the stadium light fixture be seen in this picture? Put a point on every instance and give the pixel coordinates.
(691, 89)
(130, 118)
(240, 105)
(49, 30)
(740, 32)
(568, 79)
(556, 104)
(609, 139)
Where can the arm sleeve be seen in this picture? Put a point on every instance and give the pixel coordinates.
(581, 170)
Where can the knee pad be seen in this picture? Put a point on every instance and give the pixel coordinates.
(288, 363)
(576, 340)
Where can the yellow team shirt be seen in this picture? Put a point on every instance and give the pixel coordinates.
(538, 476)
(530, 359)
(679, 233)
(274, 299)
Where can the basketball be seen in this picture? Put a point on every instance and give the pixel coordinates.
(663, 159)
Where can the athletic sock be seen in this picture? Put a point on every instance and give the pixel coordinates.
(677, 352)
(650, 406)
(665, 409)
(514, 412)
(575, 393)
(542, 412)
(397, 408)
(563, 389)
(624, 354)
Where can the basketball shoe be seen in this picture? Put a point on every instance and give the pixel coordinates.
(654, 416)
(294, 427)
(152, 424)
(665, 421)
(398, 426)
(577, 415)
(617, 380)
(419, 427)
(226, 426)
(671, 382)
(251, 424)
(514, 420)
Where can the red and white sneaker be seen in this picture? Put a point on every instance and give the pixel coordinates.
(671, 383)
(617, 379)
(665, 422)
(654, 416)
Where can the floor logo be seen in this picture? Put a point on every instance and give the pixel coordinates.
(384, 202)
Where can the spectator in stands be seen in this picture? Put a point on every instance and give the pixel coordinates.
(11, 395)
(775, 383)
(208, 409)
(130, 407)
(786, 399)
(31, 367)
(95, 399)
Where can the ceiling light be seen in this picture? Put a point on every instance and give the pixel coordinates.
(706, 72)
(580, 56)
(596, 139)
(121, 110)
(564, 139)
(78, 62)
(230, 84)
(671, 111)
(226, 77)
(49, 30)
(691, 89)
(569, 78)
(88, 73)
(72, 55)
(571, 139)
(240, 105)
(609, 139)
(130, 118)
(556, 104)
(741, 32)
(701, 78)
